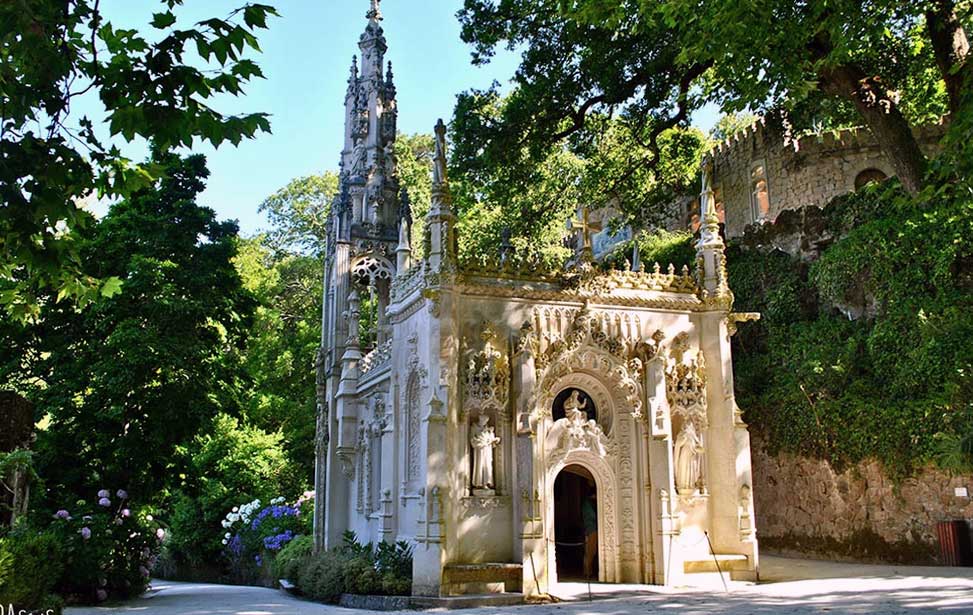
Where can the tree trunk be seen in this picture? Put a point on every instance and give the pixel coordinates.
(951, 49)
(883, 118)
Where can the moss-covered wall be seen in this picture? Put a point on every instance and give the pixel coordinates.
(803, 506)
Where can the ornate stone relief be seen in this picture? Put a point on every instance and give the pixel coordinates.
(486, 373)
(412, 426)
(369, 269)
(593, 342)
(377, 358)
(484, 504)
(576, 432)
(369, 455)
(747, 530)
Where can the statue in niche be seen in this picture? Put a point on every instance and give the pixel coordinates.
(483, 440)
(358, 159)
(688, 454)
(574, 407)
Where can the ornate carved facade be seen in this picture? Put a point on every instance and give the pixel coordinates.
(495, 385)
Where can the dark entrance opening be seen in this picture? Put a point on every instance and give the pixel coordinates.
(575, 524)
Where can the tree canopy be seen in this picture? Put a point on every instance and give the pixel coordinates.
(126, 381)
(529, 195)
(156, 87)
(653, 63)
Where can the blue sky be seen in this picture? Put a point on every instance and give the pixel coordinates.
(306, 57)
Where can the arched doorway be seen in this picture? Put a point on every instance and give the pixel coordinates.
(575, 524)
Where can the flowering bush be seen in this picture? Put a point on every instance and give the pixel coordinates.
(255, 531)
(107, 550)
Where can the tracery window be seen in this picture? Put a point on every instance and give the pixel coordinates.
(374, 275)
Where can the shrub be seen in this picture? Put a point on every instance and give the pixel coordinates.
(107, 550)
(230, 462)
(30, 566)
(293, 557)
(256, 533)
(323, 576)
(355, 568)
(660, 246)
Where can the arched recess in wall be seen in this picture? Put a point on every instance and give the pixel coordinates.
(869, 176)
(759, 192)
(413, 424)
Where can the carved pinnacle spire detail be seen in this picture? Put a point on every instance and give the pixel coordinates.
(375, 12)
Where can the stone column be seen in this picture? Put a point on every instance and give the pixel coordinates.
(343, 442)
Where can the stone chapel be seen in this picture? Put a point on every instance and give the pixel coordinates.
(519, 425)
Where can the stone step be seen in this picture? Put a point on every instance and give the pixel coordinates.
(469, 601)
(486, 572)
(727, 563)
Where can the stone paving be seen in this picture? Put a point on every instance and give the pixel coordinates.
(789, 587)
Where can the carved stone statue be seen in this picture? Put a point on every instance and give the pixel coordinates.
(483, 440)
(574, 406)
(688, 456)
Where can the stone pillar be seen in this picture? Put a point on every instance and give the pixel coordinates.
(727, 441)
(343, 442)
(528, 534)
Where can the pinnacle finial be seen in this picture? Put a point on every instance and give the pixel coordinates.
(375, 12)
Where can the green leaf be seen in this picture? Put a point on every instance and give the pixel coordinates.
(111, 287)
(163, 20)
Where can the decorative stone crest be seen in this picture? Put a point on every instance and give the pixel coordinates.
(486, 375)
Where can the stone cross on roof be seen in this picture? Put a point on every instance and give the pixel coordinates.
(375, 12)
(586, 228)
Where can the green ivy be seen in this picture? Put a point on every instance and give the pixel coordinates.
(865, 353)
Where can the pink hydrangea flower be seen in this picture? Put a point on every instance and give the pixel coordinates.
(160, 533)
(126, 512)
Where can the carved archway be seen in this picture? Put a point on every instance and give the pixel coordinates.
(608, 565)
(609, 378)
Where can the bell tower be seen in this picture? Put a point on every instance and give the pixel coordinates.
(367, 219)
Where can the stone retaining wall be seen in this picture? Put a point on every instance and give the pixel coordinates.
(804, 507)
